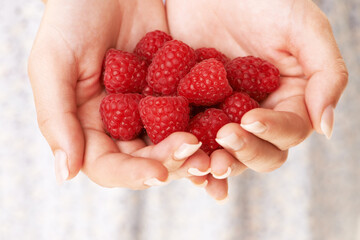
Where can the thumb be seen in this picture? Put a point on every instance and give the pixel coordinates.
(321, 60)
(53, 77)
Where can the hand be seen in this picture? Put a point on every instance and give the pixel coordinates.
(293, 35)
(65, 68)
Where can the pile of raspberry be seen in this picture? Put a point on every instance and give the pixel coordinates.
(165, 86)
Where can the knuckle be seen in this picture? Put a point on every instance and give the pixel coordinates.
(43, 122)
(184, 137)
(50, 121)
(251, 153)
(250, 159)
(283, 157)
(342, 72)
(323, 22)
(301, 128)
(299, 138)
(276, 163)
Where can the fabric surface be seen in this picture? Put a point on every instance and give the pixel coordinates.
(315, 195)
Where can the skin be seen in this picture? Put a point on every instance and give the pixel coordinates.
(296, 37)
(65, 68)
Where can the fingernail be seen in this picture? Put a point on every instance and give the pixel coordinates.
(61, 166)
(197, 172)
(186, 150)
(225, 175)
(255, 127)
(222, 201)
(202, 185)
(232, 141)
(154, 182)
(327, 121)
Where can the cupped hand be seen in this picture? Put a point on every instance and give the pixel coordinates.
(65, 68)
(296, 37)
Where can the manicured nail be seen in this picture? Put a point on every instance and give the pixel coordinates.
(154, 182)
(225, 175)
(255, 127)
(186, 150)
(232, 141)
(327, 121)
(223, 201)
(197, 172)
(61, 166)
(202, 185)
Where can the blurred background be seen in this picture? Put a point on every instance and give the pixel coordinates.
(315, 195)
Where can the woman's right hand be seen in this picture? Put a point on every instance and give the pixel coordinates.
(65, 68)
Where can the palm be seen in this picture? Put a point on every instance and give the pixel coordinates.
(82, 40)
(88, 37)
(115, 30)
(240, 28)
(265, 29)
(112, 31)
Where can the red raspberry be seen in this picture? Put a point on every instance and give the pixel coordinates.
(164, 115)
(171, 63)
(205, 126)
(237, 105)
(194, 110)
(150, 44)
(120, 115)
(111, 53)
(147, 91)
(124, 72)
(254, 76)
(207, 53)
(205, 84)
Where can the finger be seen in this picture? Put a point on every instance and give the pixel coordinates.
(199, 181)
(131, 146)
(53, 79)
(318, 53)
(257, 154)
(217, 189)
(198, 164)
(132, 31)
(223, 165)
(107, 167)
(172, 151)
(281, 127)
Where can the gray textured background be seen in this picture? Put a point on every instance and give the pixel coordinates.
(315, 195)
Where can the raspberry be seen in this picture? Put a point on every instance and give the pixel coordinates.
(207, 53)
(194, 110)
(205, 84)
(124, 72)
(147, 91)
(164, 115)
(110, 54)
(150, 44)
(120, 115)
(205, 126)
(237, 105)
(254, 76)
(171, 63)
